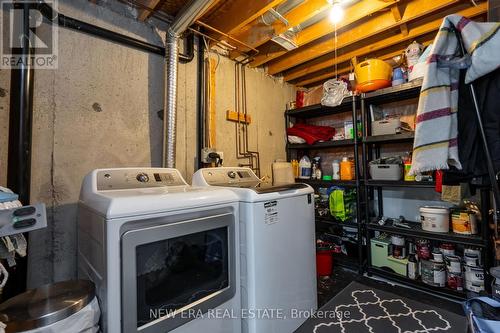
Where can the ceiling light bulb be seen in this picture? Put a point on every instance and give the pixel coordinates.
(336, 13)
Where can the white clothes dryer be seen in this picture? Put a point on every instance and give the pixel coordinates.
(164, 256)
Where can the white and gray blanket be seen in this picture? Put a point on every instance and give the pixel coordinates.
(435, 146)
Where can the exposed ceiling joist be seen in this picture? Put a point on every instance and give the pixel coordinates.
(397, 12)
(234, 15)
(413, 32)
(380, 23)
(144, 14)
(257, 33)
(324, 27)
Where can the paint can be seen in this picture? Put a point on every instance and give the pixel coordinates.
(447, 249)
(435, 219)
(455, 281)
(437, 256)
(433, 273)
(474, 252)
(474, 279)
(464, 222)
(398, 247)
(423, 249)
(471, 260)
(454, 276)
(453, 264)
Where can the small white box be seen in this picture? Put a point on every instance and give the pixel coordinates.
(386, 171)
(386, 126)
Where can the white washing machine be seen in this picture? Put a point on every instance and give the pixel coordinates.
(163, 255)
(278, 256)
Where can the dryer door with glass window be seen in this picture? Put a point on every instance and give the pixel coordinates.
(172, 272)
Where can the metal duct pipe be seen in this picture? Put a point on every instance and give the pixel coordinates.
(268, 17)
(170, 106)
(200, 102)
(181, 22)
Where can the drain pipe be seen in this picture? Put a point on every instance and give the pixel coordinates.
(21, 118)
(181, 22)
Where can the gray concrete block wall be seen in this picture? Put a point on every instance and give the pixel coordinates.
(99, 109)
(266, 103)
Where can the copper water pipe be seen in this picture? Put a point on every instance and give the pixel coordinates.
(228, 36)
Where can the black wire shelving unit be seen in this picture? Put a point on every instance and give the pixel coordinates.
(349, 104)
(371, 148)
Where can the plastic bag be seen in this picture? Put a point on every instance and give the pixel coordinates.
(84, 321)
(334, 92)
(295, 139)
(337, 208)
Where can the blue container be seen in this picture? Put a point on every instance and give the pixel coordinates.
(397, 76)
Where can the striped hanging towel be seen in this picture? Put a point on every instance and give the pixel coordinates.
(435, 146)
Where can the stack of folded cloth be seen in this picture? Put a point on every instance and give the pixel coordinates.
(310, 133)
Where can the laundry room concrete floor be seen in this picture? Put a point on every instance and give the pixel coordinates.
(330, 286)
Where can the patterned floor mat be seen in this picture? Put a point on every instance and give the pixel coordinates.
(360, 308)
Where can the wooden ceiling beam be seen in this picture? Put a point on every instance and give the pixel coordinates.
(427, 29)
(324, 27)
(236, 14)
(378, 24)
(404, 29)
(257, 33)
(144, 14)
(413, 32)
(397, 12)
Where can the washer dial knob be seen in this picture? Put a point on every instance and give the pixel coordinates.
(231, 174)
(142, 177)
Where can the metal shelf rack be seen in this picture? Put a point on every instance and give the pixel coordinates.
(349, 104)
(366, 187)
(371, 149)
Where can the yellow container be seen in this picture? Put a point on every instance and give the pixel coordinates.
(373, 74)
(407, 177)
(464, 222)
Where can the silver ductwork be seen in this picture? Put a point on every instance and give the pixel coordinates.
(277, 13)
(170, 101)
(187, 16)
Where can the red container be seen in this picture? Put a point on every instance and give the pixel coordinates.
(324, 262)
(299, 98)
(439, 181)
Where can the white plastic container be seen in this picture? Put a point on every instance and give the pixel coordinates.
(305, 168)
(435, 219)
(386, 171)
(336, 170)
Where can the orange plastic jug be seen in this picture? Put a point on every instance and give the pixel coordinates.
(346, 169)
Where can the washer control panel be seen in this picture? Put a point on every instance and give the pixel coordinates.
(240, 177)
(122, 179)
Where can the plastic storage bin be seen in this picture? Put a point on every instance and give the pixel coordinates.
(380, 251)
(386, 171)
